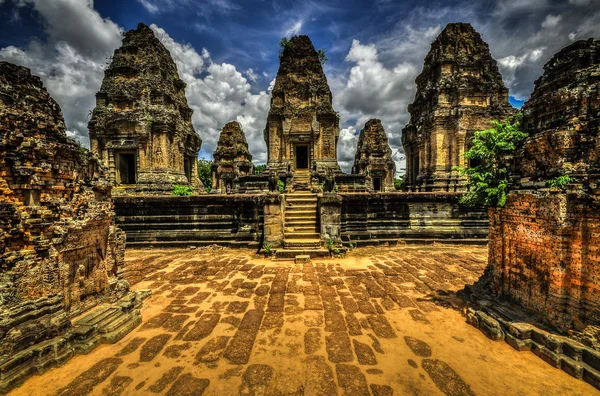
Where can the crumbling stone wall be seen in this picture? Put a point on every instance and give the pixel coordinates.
(60, 252)
(544, 244)
(460, 91)
(373, 157)
(141, 128)
(301, 113)
(231, 159)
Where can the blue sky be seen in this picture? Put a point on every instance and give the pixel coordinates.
(226, 51)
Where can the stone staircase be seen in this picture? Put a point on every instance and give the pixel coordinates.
(302, 180)
(301, 232)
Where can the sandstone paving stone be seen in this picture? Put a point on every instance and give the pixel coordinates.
(352, 380)
(445, 378)
(131, 347)
(84, 383)
(354, 328)
(312, 341)
(153, 347)
(117, 385)
(381, 390)
(334, 321)
(256, 379)
(338, 347)
(419, 348)
(319, 377)
(188, 385)
(203, 327)
(174, 351)
(364, 353)
(380, 325)
(167, 379)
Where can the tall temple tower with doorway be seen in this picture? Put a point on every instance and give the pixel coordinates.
(141, 127)
(302, 128)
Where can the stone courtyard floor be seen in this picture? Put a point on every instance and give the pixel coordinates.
(381, 321)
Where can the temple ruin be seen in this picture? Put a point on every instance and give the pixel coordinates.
(141, 127)
(460, 91)
(66, 285)
(373, 158)
(543, 243)
(231, 159)
(61, 255)
(302, 128)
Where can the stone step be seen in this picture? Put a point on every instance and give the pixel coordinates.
(290, 254)
(300, 194)
(251, 244)
(300, 213)
(308, 200)
(292, 236)
(302, 243)
(300, 208)
(300, 228)
(301, 224)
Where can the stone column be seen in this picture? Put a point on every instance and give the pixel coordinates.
(330, 212)
(273, 220)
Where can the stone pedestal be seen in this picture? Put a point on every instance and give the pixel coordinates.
(330, 212)
(273, 220)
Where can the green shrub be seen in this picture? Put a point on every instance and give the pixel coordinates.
(560, 181)
(205, 173)
(399, 182)
(322, 56)
(280, 186)
(182, 191)
(488, 181)
(258, 169)
(268, 251)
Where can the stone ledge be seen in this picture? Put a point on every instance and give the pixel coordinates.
(574, 358)
(105, 324)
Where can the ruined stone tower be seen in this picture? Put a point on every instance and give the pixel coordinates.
(231, 159)
(141, 127)
(544, 242)
(302, 129)
(373, 157)
(460, 91)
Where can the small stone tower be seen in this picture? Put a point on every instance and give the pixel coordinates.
(141, 127)
(231, 159)
(302, 128)
(373, 157)
(460, 91)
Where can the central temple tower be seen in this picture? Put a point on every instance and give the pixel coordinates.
(302, 128)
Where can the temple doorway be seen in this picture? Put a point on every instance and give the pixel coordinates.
(301, 157)
(126, 168)
(377, 183)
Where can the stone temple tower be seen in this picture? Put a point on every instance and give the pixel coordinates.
(302, 128)
(231, 159)
(460, 91)
(141, 127)
(373, 157)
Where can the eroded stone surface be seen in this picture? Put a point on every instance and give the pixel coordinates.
(293, 352)
(373, 157)
(460, 91)
(141, 127)
(231, 159)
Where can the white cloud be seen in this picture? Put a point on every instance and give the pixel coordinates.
(551, 21)
(204, 7)
(294, 30)
(221, 96)
(251, 75)
(71, 63)
(372, 90)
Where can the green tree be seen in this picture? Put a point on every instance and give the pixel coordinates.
(488, 175)
(322, 56)
(283, 44)
(205, 174)
(258, 169)
(399, 182)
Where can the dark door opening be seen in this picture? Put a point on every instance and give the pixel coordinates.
(377, 183)
(301, 157)
(126, 168)
(188, 165)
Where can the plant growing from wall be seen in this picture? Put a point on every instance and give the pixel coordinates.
(283, 44)
(560, 181)
(182, 191)
(322, 56)
(205, 173)
(488, 180)
(399, 182)
(258, 169)
(280, 186)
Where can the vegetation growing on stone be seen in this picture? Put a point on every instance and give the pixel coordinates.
(204, 173)
(488, 176)
(182, 191)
